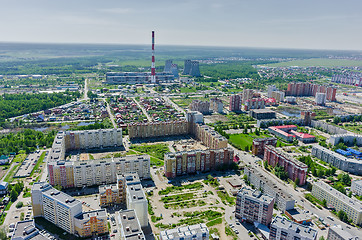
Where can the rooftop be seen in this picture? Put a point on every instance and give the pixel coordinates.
(343, 233)
(95, 213)
(130, 225)
(355, 204)
(298, 215)
(297, 228)
(184, 231)
(265, 110)
(132, 178)
(61, 197)
(255, 194)
(339, 156)
(103, 188)
(136, 193)
(27, 230)
(287, 156)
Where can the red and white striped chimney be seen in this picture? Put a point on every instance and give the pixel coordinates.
(153, 69)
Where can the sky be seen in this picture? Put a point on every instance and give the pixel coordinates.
(305, 24)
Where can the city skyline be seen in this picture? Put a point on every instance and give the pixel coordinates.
(268, 24)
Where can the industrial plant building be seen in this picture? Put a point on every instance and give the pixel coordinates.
(253, 206)
(190, 162)
(295, 169)
(337, 200)
(191, 68)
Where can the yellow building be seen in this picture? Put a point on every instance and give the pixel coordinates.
(91, 223)
(338, 201)
(109, 195)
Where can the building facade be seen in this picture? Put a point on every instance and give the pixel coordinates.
(278, 96)
(216, 105)
(308, 89)
(246, 95)
(158, 129)
(260, 143)
(91, 223)
(261, 180)
(283, 229)
(190, 162)
(254, 103)
(356, 187)
(338, 233)
(235, 103)
(200, 106)
(253, 206)
(338, 201)
(282, 132)
(193, 232)
(320, 99)
(294, 168)
(262, 114)
(350, 165)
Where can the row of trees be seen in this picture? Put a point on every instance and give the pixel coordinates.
(357, 118)
(15, 190)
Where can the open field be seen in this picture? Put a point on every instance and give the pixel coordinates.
(318, 62)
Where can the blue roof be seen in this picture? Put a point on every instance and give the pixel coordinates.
(4, 185)
(353, 151)
(344, 153)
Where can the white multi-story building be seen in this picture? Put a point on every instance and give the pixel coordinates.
(216, 105)
(271, 89)
(347, 139)
(283, 229)
(55, 206)
(129, 226)
(136, 199)
(320, 98)
(338, 233)
(193, 232)
(356, 187)
(339, 201)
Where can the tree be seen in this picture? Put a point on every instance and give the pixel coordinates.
(13, 195)
(324, 203)
(19, 205)
(3, 234)
(58, 187)
(342, 216)
(350, 194)
(297, 180)
(321, 238)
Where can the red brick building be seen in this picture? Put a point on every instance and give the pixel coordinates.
(260, 143)
(293, 167)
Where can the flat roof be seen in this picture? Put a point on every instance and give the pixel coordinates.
(298, 215)
(301, 230)
(103, 188)
(26, 229)
(265, 110)
(95, 213)
(184, 231)
(255, 195)
(136, 192)
(132, 178)
(130, 225)
(355, 204)
(61, 197)
(343, 232)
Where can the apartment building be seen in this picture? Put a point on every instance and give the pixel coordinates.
(25, 230)
(55, 206)
(235, 103)
(189, 162)
(271, 89)
(347, 139)
(209, 137)
(338, 201)
(158, 129)
(350, 165)
(338, 233)
(294, 168)
(129, 226)
(278, 96)
(200, 106)
(356, 187)
(260, 143)
(253, 206)
(283, 229)
(254, 103)
(308, 89)
(193, 232)
(109, 195)
(320, 99)
(91, 223)
(96, 172)
(246, 95)
(136, 199)
(216, 105)
(263, 181)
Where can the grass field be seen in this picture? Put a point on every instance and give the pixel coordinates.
(241, 140)
(19, 158)
(156, 151)
(318, 62)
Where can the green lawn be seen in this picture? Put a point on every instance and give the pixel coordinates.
(19, 158)
(318, 62)
(156, 151)
(241, 140)
(38, 163)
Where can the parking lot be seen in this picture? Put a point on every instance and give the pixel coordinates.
(28, 164)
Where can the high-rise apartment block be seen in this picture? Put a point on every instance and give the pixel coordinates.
(193, 232)
(295, 168)
(337, 200)
(189, 162)
(158, 129)
(349, 78)
(260, 179)
(235, 103)
(283, 229)
(271, 89)
(308, 89)
(216, 105)
(320, 98)
(66, 212)
(246, 95)
(338, 233)
(260, 143)
(254, 103)
(253, 206)
(200, 106)
(278, 96)
(94, 172)
(130, 227)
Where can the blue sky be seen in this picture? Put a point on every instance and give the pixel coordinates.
(313, 24)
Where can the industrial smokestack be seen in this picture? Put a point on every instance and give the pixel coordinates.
(153, 69)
